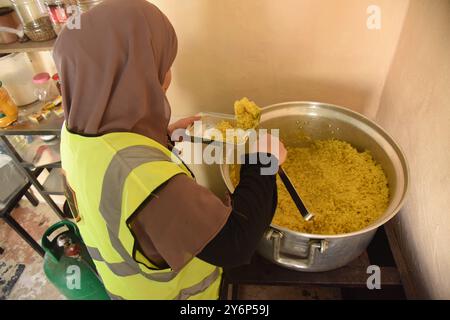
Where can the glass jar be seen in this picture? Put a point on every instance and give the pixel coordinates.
(36, 22)
(42, 86)
(57, 82)
(8, 109)
(86, 5)
(57, 10)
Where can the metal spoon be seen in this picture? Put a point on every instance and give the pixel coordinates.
(294, 195)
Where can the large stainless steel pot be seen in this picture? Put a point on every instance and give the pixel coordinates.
(312, 252)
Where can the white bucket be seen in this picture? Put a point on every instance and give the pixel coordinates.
(16, 73)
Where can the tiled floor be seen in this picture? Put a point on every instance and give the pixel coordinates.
(34, 285)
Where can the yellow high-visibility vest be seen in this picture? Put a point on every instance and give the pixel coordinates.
(110, 176)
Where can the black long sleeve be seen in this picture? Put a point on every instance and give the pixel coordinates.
(254, 202)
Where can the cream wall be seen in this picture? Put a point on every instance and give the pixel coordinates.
(274, 51)
(415, 108)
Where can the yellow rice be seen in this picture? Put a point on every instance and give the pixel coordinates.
(247, 115)
(345, 189)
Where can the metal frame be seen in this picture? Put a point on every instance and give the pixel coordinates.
(51, 126)
(5, 214)
(352, 277)
(33, 178)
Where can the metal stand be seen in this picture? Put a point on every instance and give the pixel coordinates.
(32, 176)
(5, 214)
(52, 186)
(24, 234)
(351, 279)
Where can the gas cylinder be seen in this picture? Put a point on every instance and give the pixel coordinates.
(68, 266)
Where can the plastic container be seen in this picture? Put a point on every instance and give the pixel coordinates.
(8, 109)
(42, 86)
(16, 73)
(45, 89)
(207, 130)
(57, 11)
(57, 82)
(36, 22)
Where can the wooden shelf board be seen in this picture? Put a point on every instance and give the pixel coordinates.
(29, 46)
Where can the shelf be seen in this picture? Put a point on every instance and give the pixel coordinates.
(45, 166)
(23, 126)
(35, 152)
(29, 46)
(54, 183)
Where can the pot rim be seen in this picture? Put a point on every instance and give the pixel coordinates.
(380, 130)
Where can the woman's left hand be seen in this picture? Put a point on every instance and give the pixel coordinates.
(182, 124)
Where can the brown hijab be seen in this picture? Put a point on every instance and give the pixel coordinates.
(113, 67)
(112, 71)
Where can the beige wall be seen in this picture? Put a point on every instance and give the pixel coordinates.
(415, 107)
(274, 51)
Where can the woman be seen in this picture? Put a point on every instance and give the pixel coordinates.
(152, 232)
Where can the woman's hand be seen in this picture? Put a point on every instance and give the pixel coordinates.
(265, 144)
(182, 124)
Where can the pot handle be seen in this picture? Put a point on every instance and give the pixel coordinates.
(297, 264)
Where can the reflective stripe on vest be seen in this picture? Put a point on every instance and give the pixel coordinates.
(162, 277)
(123, 269)
(199, 287)
(123, 163)
(113, 296)
(111, 176)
